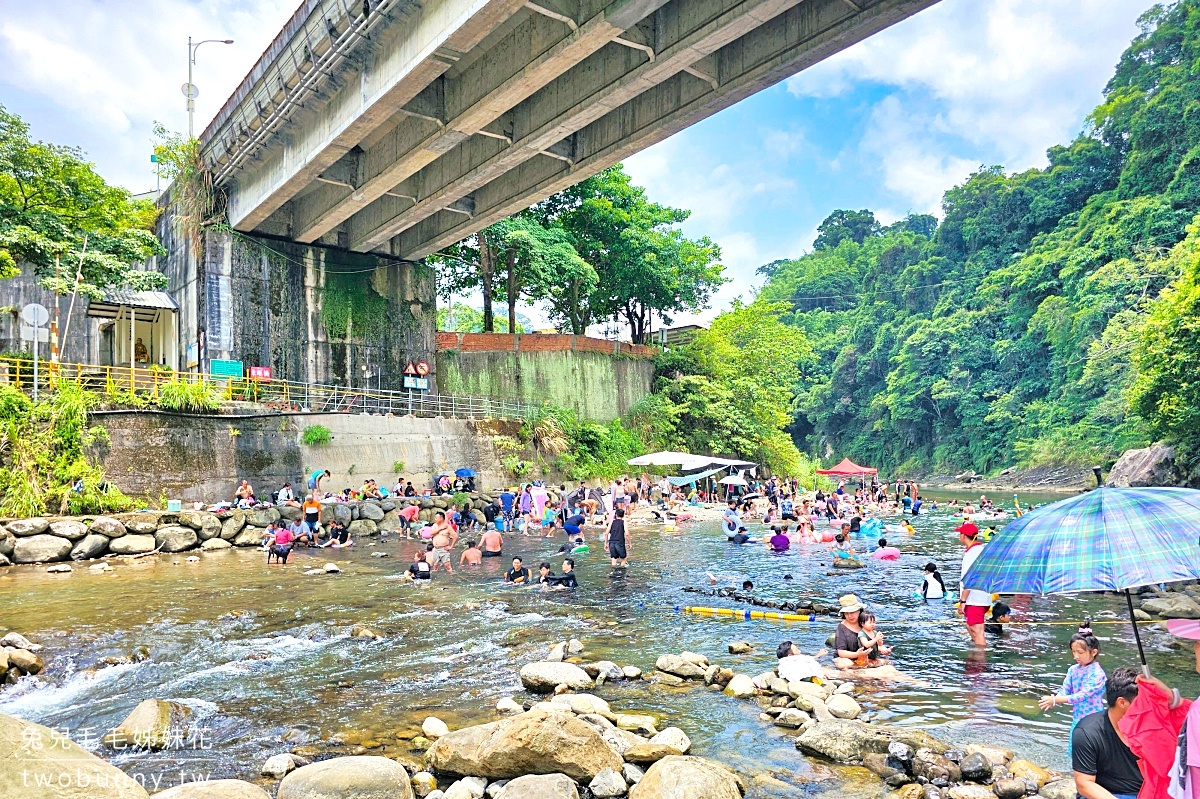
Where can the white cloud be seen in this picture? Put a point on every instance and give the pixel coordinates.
(1013, 76)
(98, 74)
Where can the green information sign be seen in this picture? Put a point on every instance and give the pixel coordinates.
(219, 368)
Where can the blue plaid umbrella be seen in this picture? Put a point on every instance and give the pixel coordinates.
(1109, 539)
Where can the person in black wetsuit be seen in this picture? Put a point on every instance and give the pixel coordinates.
(518, 574)
(616, 540)
(567, 578)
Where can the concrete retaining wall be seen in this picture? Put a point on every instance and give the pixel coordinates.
(202, 458)
(564, 370)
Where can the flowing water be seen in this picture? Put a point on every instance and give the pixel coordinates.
(263, 654)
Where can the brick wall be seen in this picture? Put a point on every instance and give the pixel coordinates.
(537, 342)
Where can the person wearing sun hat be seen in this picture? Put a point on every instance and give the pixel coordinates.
(848, 651)
(973, 604)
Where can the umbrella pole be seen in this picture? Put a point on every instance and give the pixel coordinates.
(1136, 635)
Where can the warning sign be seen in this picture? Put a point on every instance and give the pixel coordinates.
(410, 368)
(422, 368)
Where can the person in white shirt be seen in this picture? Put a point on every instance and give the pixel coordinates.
(795, 666)
(973, 604)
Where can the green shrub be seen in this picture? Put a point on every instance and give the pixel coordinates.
(460, 498)
(188, 396)
(397, 467)
(316, 436)
(515, 466)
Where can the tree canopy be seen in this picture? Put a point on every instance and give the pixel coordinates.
(60, 216)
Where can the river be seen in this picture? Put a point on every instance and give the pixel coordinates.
(264, 653)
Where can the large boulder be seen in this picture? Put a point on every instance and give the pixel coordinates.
(370, 511)
(686, 777)
(70, 529)
(363, 777)
(8, 542)
(537, 742)
(262, 518)
(93, 545)
(153, 724)
(1170, 606)
(1152, 466)
(41, 548)
(540, 786)
(106, 525)
(206, 524)
(674, 664)
(24, 527)
(291, 513)
(214, 789)
(38, 763)
(361, 528)
(145, 523)
(233, 525)
(132, 544)
(544, 677)
(248, 537)
(846, 741)
(176, 538)
(214, 544)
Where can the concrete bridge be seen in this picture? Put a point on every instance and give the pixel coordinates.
(400, 126)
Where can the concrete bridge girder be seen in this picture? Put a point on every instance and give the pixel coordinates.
(475, 109)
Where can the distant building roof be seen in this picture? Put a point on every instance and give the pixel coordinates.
(114, 299)
(675, 336)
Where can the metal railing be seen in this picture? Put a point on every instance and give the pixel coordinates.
(138, 386)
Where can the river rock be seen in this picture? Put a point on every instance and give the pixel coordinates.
(883, 766)
(132, 544)
(935, 768)
(28, 662)
(1058, 789)
(610, 670)
(214, 544)
(1009, 788)
(608, 784)
(176, 538)
(206, 524)
(41, 548)
(290, 513)
(26, 527)
(583, 704)
(544, 677)
(153, 724)
(687, 777)
(557, 653)
(648, 752)
(540, 786)
(466, 788)
(741, 687)
(817, 707)
(967, 791)
(361, 528)
(59, 568)
(1151, 466)
(792, 718)
(70, 771)
(17, 641)
(740, 648)
(841, 706)
(673, 736)
(434, 728)
(278, 766)
(214, 789)
(248, 537)
(423, 783)
(663, 678)
(674, 664)
(233, 525)
(509, 705)
(92, 545)
(263, 517)
(975, 767)
(8, 542)
(995, 755)
(846, 741)
(621, 741)
(637, 722)
(70, 529)
(537, 742)
(370, 511)
(140, 523)
(361, 777)
(799, 688)
(1023, 769)
(107, 525)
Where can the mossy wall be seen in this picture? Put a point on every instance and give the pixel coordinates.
(598, 386)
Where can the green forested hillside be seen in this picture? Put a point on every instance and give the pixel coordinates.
(1013, 331)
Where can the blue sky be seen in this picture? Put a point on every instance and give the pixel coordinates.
(888, 125)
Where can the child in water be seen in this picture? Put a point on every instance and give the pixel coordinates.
(933, 586)
(842, 548)
(1083, 689)
(871, 639)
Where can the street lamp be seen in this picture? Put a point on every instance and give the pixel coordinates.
(189, 89)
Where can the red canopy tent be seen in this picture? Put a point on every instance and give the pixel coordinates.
(848, 468)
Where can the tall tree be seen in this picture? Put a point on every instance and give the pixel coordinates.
(59, 215)
(857, 226)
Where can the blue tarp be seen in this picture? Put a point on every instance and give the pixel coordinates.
(692, 478)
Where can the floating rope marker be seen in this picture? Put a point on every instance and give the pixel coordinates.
(746, 614)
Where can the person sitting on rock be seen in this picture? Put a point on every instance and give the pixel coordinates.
(796, 666)
(339, 536)
(847, 646)
(301, 534)
(285, 497)
(244, 495)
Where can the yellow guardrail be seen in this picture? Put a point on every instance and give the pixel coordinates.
(273, 395)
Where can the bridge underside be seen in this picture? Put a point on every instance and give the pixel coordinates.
(398, 127)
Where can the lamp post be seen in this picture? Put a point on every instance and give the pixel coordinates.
(189, 89)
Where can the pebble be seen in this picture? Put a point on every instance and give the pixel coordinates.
(59, 568)
(331, 568)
